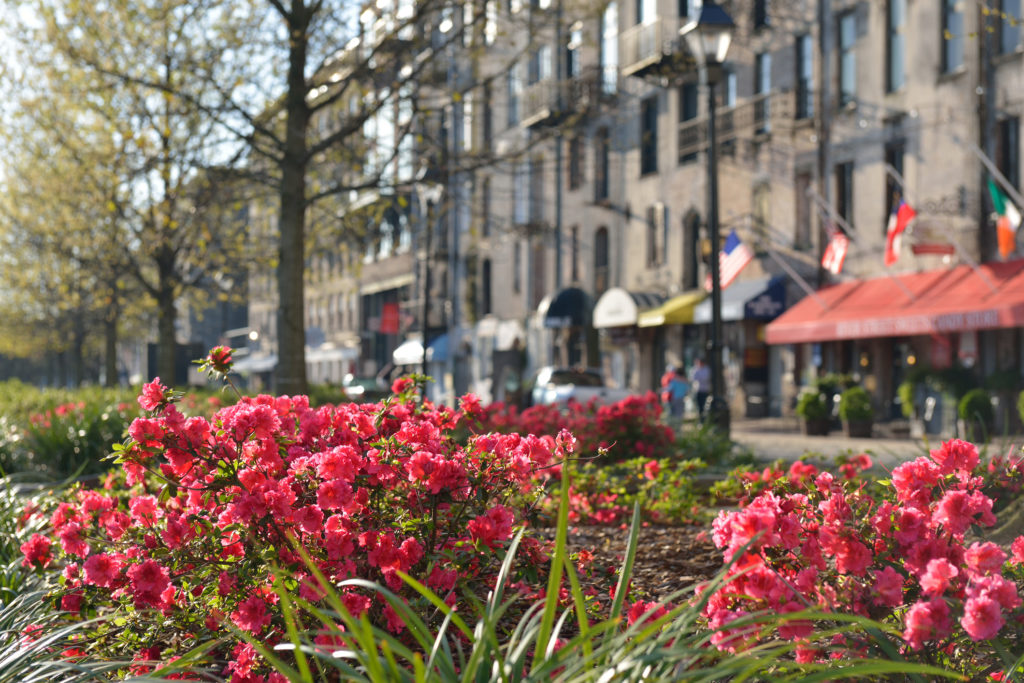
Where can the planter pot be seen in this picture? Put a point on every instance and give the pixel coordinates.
(860, 429)
(815, 426)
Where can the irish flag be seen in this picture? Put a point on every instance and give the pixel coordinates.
(1007, 220)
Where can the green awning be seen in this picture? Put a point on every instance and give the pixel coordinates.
(676, 311)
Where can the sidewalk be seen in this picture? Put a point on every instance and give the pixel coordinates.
(774, 438)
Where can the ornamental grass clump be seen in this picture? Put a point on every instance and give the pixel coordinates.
(208, 516)
(911, 559)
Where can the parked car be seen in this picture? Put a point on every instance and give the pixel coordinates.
(552, 385)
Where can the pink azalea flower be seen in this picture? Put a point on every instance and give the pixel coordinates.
(101, 570)
(888, 587)
(251, 615)
(148, 581)
(956, 455)
(982, 618)
(937, 577)
(984, 558)
(153, 395)
(36, 551)
(926, 620)
(1017, 548)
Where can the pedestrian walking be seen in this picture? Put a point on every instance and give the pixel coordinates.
(678, 388)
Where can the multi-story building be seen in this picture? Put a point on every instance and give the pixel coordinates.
(573, 157)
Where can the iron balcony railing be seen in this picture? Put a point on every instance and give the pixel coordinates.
(550, 98)
(757, 115)
(648, 44)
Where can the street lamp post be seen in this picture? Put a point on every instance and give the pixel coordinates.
(708, 38)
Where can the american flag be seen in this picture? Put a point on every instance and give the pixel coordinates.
(731, 260)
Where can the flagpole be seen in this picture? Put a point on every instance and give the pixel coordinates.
(960, 251)
(997, 174)
(850, 234)
(795, 276)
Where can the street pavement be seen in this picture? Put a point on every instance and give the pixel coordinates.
(780, 438)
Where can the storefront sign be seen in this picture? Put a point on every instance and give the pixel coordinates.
(916, 324)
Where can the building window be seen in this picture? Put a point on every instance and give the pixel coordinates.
(520, 194)
(1009, 25)
(575, 162)
(485, 287)
(536, 190)
(844, 191)
(895, 45)
(730, 87)
(649, 135)
(646, 11)
(488, 118)
(1008, 149)
(610, 49)
(515, 88)
(894, 151)
(574, 253)
(686, 8)
(601, 275)
(847, 58)
(688, 112)
(572, 51)
(802, 225)
(763, 86)
(652, 236)
(485, 207)
(602, 144)
(761, 14)
(952, 35)
(691, 249)
(517, 267)
(804, 77)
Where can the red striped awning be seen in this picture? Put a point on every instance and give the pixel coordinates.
(932, 302)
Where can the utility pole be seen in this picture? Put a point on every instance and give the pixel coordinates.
(561, 81)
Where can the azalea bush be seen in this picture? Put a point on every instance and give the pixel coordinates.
(208, 516)
(908, 558)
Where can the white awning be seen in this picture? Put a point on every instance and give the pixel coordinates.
(620, 308)
(409, 352)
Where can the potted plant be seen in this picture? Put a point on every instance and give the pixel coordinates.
(976, 415)
(812, 409)
(856, 412)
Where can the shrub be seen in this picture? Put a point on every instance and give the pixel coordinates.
(976, 404)
(812, 406)
(855, 404)
(906, 391)
(209, 515)
(906, 560)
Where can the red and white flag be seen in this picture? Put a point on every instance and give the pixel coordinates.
(731, 260)
(900, 217)
(835, 253)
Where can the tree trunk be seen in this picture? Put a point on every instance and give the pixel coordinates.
(165, 343)
(110, 349)
(291, 329)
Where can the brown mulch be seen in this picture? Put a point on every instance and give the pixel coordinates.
(668, 558)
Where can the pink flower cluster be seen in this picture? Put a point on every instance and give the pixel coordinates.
(812, 540)
(364, 491)
(628, 428)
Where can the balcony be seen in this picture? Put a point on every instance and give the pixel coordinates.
(548, 101)
(654, 49)
(758, 115)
